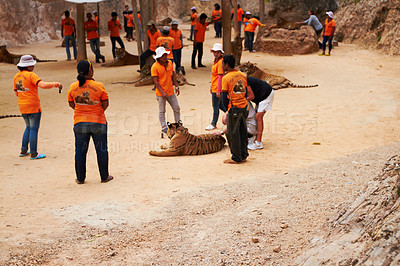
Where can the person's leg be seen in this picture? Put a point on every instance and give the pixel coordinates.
(250, 41)
(215, 104)
(318, 32)
(330, 45)
(200, 48)
(216, 29)
(243, 135)
(324, 40)
(34, 123)
(161, 112)
(191, 32)
(233, 135)
(67, 39)
(120, 42)
(98, 50)
(194, 53)
(173, 102)
(143, 57)
(82, 138)
(246, 40)
(260, 125)
(240, 28)
(74, 46)
(99, 135)
(175, 54)
(113, 40)
(25, 136)
(178, 59)
(93, 48)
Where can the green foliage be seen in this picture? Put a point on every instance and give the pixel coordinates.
(398, 191)
(356, 1)
(379, 38)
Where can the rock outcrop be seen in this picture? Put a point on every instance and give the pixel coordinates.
(366, 231)
(370, 23)
(288, 42)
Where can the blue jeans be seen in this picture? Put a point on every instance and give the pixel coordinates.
(30, 136)
(324, 40)
(83, 131)
(177, 59)
(95, 46)
(218, 29)
(113, 42)
(143, 57)
(198, 47)
(249, 39)
(217, 103)
(191, 32)
(71, 38)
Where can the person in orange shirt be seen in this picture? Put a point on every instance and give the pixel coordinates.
(199, 37)
(91, 28)
(193, 19)
(245, 21)
(130, 25)
(177, 49)
(89, 99)
(114, 25)
(216, 84)
(26, 85)
(249, 30)
(240, 17)
(140, 24)
(152, 33)
(68, 32)
(164, 78)
(167, 42)
(235, 82)
(328, 33)
(96, 16)
(216, 16)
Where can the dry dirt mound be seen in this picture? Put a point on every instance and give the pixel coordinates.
(366, 231)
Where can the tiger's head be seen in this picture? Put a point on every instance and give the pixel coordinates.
(248, 68)
(119, 52)
(145, 71)
(173, 128)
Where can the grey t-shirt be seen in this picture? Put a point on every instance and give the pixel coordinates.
(314, 22)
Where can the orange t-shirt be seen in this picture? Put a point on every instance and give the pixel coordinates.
(93, 33)
(153, 39)
(216, 70)
(201, 31)
(240, 13)
(252, 25)
(164, 75)
(177, 38)
(168, 43)
(245, 20)
(235, 82)
(28, 100)
(194, 16)
(139, 18)
(87, 100)
(129, 23)
(216, 15)
(329, 27)
(114, 27)
(96, 19)
(68, 24)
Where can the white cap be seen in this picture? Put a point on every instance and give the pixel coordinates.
(330, 14)
(160, 51)
(95, 11)
(26, 61)
(193, 8)
(174, 22)
(217, 47)
(166, 28)
(248, 13)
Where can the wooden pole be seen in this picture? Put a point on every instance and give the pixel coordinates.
(235, 18)
(226, 26)
(137, 27)
(145, 14)
(80, 28)
(262, 8)
(98, 20)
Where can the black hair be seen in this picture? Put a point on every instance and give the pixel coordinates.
(83, 69)
(217, 6)
(88, 14)
(165, 32)
(114, 14)
(312, 12)
(203, 16)
(257, 17)
(230, 60)
(66, 13)
(22, 68)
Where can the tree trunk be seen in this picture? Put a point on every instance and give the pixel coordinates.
(235, 18)
(80, 28)
(145, 12)
(262, 8)
(226, 26)
(137, 30)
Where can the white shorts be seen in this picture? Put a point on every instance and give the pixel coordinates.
(266, 105)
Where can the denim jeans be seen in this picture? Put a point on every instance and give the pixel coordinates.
(30, 136)
(249, 39)
(217, 104)
(113, 41)
(191, 32)
(71, 38)
(83, 131)
(95, 46)
(218, 29)
(143, 57)
(173, 102)
(198, 47)
(236, 133)
(324, 40)
(177, 59)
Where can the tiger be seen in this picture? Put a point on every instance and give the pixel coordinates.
(275, 81)
(123, 58)
(7, 57)
(184, 143)
(237, 48)
(284, 24)
(8, 116)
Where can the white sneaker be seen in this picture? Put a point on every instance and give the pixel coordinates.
(254, 51)
(210, 127)
(251, 140)
(255, 146)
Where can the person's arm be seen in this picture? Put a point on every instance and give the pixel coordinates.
(71, 104)
(105, 104)
(219, 86)
(250, 93)
(48, 85)
(175, 82)
(109, 26)
(333, 33)
(194, 39)
(163, 94)
(74, 31)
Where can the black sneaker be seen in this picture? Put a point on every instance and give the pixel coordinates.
(201, 65)
(183, 71)
(103, 59)
(194, 67)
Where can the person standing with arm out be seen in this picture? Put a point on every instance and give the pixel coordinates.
(199, 37)
(26, 84)
(114, 26)
(68, 32)
(89, 99)
(249, 31)
(313, 22)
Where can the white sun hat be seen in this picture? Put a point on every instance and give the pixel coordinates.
(248, 13)
(26, 61)
(217, 47)
(193, 8)
(174, 22)
(330, 14)
(160, 51)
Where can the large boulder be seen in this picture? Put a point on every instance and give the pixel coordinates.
(288, 42)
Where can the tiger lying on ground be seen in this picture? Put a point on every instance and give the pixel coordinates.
(184, 143)
(122, 58)
(7, 57)
(276, 82)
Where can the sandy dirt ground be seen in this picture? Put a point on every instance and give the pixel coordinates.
(195, 210)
